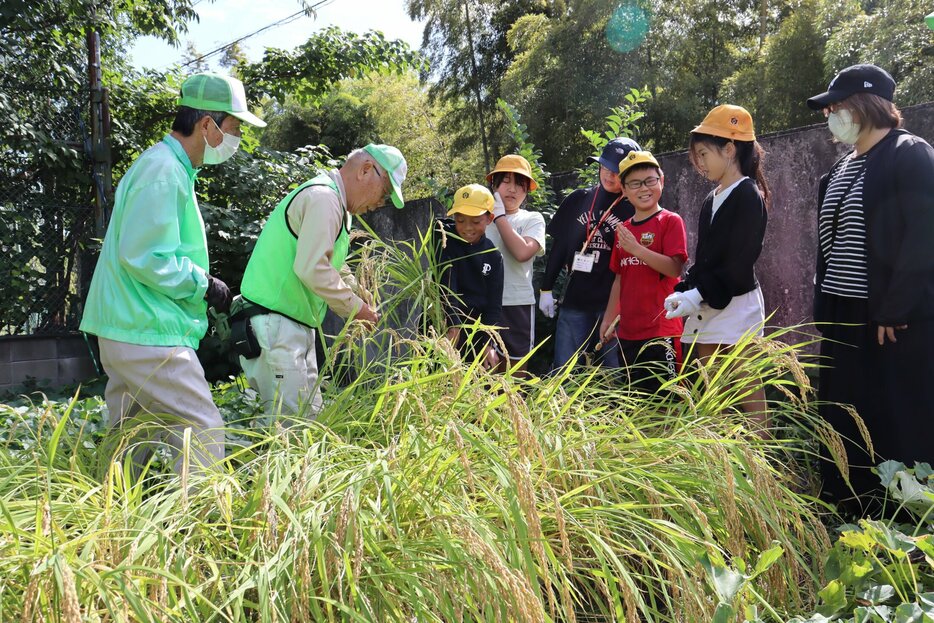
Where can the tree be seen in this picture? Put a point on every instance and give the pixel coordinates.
(339, 120)
(328, 57)
(465, 43)
(403, 115)
(566, 75)
(789, 70)
(45, 177)
(194, 61)
(890, 34)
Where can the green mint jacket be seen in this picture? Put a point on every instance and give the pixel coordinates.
(151, 278)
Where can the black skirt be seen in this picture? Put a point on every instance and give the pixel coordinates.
(890, 386)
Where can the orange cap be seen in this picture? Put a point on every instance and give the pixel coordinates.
(514, 163)
(727, 121)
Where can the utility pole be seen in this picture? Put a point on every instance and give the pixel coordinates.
(100, 135)
(101, 174)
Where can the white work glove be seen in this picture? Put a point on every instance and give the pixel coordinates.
(682, 304)
(499, 208)
(546, 303)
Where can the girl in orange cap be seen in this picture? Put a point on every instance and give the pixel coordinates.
(720, 298)
(520, 236)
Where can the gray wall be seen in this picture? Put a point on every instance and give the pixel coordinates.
(794, 162)
(56, 361)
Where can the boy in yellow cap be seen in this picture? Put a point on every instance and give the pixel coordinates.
(471, 267)
(649, 253)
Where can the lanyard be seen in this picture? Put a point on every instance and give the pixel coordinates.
(606, 213)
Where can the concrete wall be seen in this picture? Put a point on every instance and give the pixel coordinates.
(795, 161)
(52, 361)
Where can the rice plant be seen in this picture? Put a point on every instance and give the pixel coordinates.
(426, 490)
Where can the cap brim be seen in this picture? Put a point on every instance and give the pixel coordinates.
(825, 99)
(248, 117)
(717, 131)
(396, 194)
(606, 164)
(468, 211)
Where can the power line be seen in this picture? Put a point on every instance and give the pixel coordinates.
(282, 22)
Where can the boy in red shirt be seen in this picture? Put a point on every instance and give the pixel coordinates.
(650, 251)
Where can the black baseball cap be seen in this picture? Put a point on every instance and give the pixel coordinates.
(864, 78)
(614, 151)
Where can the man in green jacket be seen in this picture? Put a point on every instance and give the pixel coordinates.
(151, 288)
(297, 271)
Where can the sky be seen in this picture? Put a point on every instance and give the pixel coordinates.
(223, 21)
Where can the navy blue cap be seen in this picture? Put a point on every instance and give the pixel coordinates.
(614, 151)
(864, 78)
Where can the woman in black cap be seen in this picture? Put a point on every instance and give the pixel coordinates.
(875, 282)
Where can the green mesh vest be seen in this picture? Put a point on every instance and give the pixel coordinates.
(269, 279)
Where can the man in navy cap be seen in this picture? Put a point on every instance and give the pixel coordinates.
(582, 231)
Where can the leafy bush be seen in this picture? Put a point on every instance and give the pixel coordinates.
(883, 571)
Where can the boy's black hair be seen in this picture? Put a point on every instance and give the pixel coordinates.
(642, 166)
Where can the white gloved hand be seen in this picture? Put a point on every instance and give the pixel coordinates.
(682, 304)
(499, 208)
(546, 303)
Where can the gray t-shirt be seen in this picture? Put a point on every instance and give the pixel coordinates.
(517, 282)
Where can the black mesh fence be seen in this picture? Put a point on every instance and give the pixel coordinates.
(47, 216)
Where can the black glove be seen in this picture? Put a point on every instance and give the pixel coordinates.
(218, 295)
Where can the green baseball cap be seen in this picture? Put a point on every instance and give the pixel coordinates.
(394, 164)
(213, 91)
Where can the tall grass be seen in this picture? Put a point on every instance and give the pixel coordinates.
(426, 490)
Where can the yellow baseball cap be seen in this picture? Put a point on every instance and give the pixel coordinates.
(472, 200)
(514, 163)
(728, 121)
(634, 158)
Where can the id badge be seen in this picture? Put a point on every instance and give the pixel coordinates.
(583, 262)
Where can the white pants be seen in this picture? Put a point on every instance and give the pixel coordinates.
(166, 381)
(286, 372)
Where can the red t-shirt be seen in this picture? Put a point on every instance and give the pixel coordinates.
(642, 289)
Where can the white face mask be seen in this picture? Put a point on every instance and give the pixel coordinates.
(224, 151)
(842, 126)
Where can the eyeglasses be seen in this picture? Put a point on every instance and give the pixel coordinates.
(648, 182)
(388, 193)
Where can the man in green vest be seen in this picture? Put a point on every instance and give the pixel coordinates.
(151, 288)
(297, 271)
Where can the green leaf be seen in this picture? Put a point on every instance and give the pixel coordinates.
(877, 594)
(768, 558)
(726, 582)
(724, 614)
(833, 598)
(873, 614)
(908, 613)
(887, 471)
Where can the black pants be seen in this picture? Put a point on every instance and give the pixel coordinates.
(891, 387)
(649, 363)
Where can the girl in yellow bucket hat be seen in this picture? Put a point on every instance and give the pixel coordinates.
(720, 299)
(520, 236)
